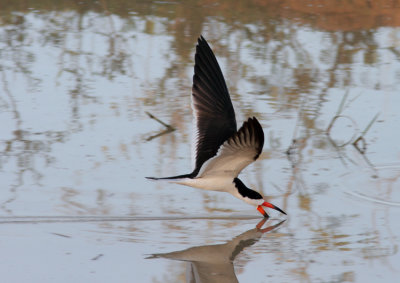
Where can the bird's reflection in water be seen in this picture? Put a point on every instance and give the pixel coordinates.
(214, 263)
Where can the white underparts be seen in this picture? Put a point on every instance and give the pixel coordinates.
(220, 184)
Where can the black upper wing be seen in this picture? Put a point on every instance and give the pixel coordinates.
(213, 111)
(241, 149)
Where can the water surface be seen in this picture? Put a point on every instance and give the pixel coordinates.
(76, 81)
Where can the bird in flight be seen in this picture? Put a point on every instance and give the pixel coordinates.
(220, 151)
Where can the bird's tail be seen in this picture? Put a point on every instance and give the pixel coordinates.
(171, 178)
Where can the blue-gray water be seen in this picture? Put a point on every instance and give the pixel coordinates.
(76, 81)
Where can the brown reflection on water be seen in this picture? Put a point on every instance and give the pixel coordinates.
(344, 15)
(185, 22)
(350, 25)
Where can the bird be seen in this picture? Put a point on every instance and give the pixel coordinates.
(220, 151)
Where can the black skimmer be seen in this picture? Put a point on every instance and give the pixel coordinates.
(220, 151)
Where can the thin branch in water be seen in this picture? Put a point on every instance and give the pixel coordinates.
(341, 154)
(341, 106)
(161, 122)
(328, 131)
(352, 100)
(293, 145)
(168, 127)
(338, 112)
(370, 124)
(160, 134)
(362, 149)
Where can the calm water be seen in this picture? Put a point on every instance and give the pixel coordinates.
(76, 81)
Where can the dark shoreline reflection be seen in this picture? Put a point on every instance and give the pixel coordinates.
(214, 263)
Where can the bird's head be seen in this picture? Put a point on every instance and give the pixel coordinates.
(254, 198)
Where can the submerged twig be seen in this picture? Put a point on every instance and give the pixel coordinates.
(160, 134)
(159, 121)
(341, 154)
(293, 145)
(361, 137)
(338, 112)
(363, 148)
(291, 148)
(97, 257)
(331, 125)
(168, 127)
(370, 124)
(341, 106)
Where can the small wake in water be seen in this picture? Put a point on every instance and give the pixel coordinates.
(95, 218)
(372, 199)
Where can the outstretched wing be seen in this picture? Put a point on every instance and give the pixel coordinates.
(214, 116)
(237, 152)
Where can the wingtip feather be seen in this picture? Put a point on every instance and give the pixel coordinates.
(151, 178)
(252, 130)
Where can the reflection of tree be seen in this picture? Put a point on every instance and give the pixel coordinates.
(20, 147)
(267, 24)
(24, 147)
(265, 29)
(15, 37)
